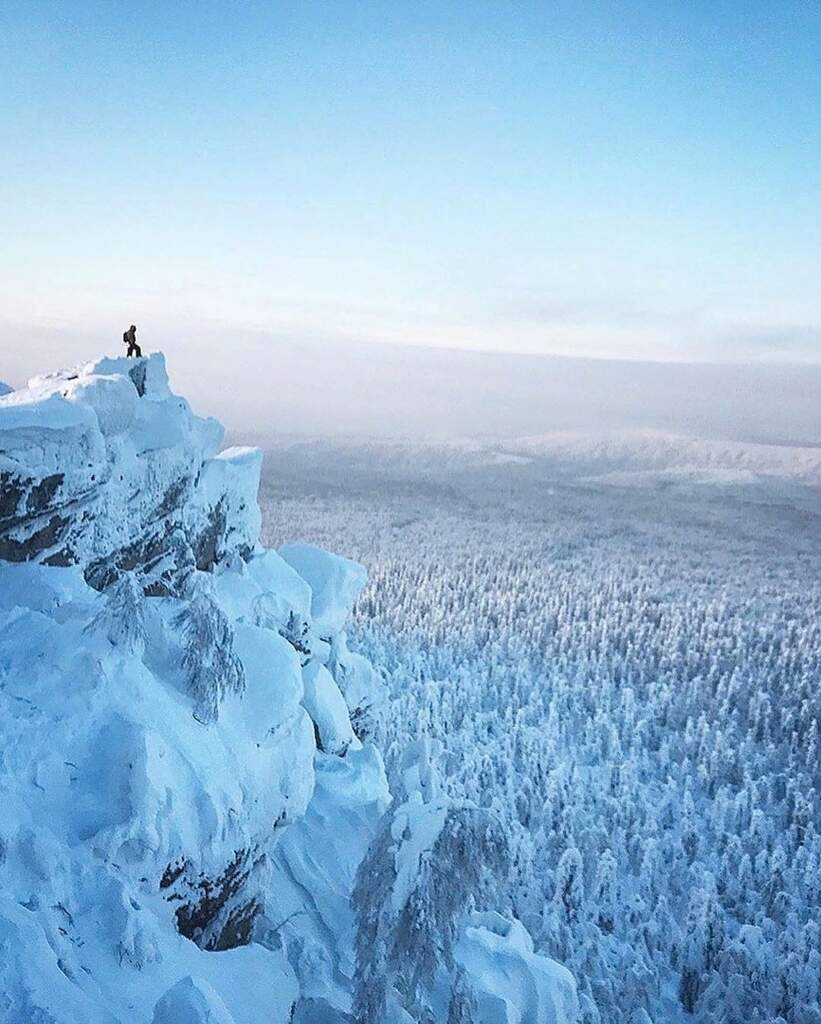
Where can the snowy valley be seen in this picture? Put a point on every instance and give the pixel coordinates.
(614, 642)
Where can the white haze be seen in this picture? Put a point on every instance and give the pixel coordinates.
(273, 385)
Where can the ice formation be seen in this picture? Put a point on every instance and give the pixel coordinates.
(189, 785)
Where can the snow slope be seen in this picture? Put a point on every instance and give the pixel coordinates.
(186, 776)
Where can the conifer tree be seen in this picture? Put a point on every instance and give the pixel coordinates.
(121, 620)
(211, 668)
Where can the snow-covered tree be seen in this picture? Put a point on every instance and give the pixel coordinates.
(430, 862)
(122, 618)
(209, 663)
(569, 893)
(702, 944)
(604, 894)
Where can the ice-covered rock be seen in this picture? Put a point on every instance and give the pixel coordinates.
(155, 669)
(320, 854)
(325, 704)
(335, 584)
(191, 1001)
(189, 787)
(104, 467)
(508, 981)
(361, 685)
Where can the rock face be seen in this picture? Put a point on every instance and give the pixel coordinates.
(139, 843)
(104, 467)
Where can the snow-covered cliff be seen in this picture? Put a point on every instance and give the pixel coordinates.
(103, 467)
(186, 801)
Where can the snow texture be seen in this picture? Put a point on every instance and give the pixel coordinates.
(510, 983)
(325, 704)
(103, 467)
(335, 584)
(191, 1001)
(186, 799)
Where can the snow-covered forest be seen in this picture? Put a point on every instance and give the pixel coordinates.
(619, 655)
(557, 762)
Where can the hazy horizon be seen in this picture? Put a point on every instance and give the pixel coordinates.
(331, 216)
(293, 387)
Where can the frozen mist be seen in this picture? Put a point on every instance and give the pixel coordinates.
(267, 383)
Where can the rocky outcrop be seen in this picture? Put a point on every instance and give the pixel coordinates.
(104, 467)
(139, 843)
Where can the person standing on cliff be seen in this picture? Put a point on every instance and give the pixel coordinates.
(130, 339)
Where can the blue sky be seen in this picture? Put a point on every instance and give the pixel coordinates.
(634, 180)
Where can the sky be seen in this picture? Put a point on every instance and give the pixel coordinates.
(621, 181)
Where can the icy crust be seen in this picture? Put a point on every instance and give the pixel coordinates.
(104, 467)
(145, 792)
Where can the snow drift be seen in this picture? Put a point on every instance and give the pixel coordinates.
(188, 779)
